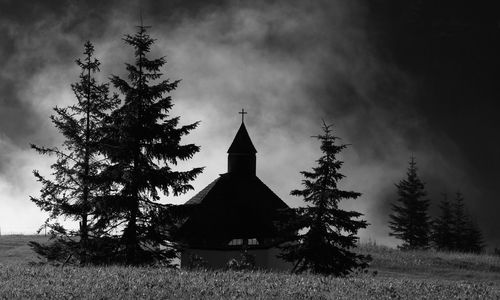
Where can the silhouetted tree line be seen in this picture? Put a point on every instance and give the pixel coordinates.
(116, 159)
(452, 230)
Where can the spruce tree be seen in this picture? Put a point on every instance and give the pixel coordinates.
(326, 247)
(409, 220)
(459, 224)
(473, 238)
(442, 230)
(467, 236)
(75, 187)
(143, 144)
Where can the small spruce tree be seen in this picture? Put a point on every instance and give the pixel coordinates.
(326, 247)
(143, 144)
(442, 230)
(466, 235)
(74, 191)
(409, 220)
(473, 238)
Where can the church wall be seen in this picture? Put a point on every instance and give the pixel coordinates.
(275, 263)
(217, 259)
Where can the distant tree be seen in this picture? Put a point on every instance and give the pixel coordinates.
(409, 220)
(143, 143)
(473, 238)
(466, 235)
(74, 190)
(442, 230)
(459, 224)
(326, 246)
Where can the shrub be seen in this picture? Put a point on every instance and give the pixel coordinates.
(245, 261)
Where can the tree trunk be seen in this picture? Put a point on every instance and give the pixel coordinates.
(85, 199)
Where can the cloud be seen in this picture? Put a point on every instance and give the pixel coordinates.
(17, 213)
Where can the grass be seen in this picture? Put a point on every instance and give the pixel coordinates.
(390, 262)
(14, 249)
(137, 283)
(392, 275)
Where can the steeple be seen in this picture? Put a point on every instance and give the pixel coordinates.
(241, 158)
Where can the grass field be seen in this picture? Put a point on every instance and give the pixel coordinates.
(392, 275)
(14, 249)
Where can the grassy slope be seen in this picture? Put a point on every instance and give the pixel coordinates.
(399, 274)
(14, 249)
(431, 264)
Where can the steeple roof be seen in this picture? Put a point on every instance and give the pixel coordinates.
(242, 142)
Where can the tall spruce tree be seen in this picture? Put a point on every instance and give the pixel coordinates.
(75, 188)
(143, 144)
(442, 230)
(409, 220)
(326, 247)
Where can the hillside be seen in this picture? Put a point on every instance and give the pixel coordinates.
(388, 262)
(14, 249)
(393, 274)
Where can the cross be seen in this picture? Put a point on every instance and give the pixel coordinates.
(142, 26)
(140, 13)
(242, 113)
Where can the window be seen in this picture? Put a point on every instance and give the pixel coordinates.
(253, 241)
(239, 242)
(236, 242)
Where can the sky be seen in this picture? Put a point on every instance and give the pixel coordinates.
(395, 79)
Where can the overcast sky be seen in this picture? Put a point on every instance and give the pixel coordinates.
(395, 80)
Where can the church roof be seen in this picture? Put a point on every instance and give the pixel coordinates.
(233, 206)
(198, 198)
(242, 142)
(237, 205)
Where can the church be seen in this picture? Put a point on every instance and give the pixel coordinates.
(235, 212)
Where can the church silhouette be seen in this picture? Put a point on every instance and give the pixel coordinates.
(235, 212)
